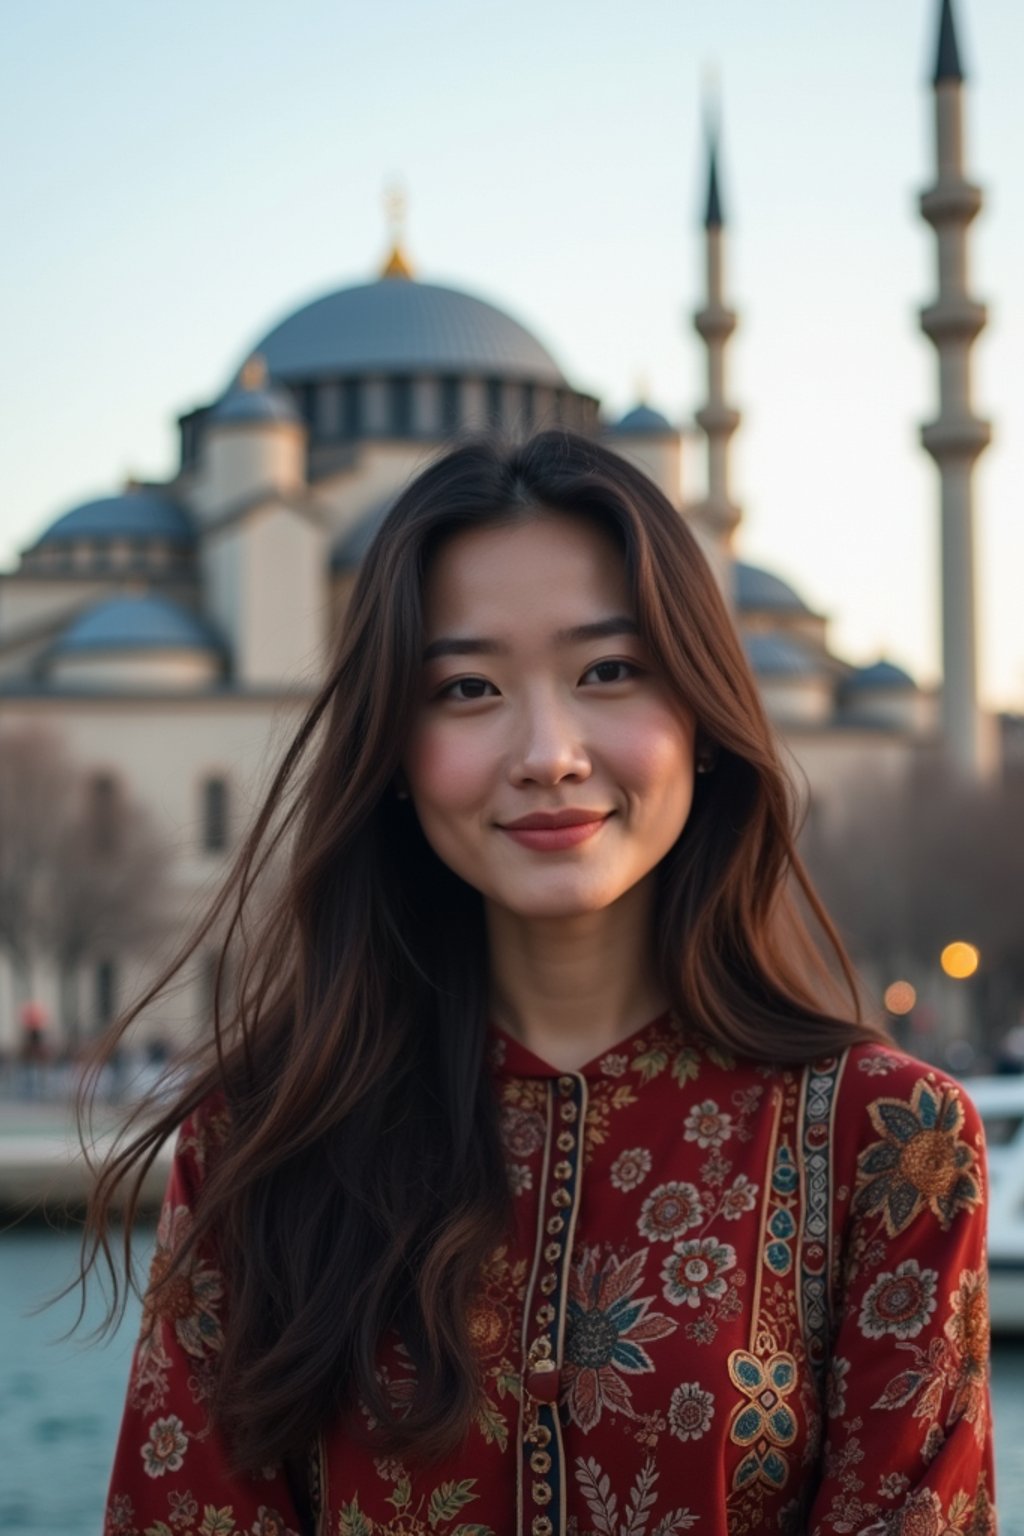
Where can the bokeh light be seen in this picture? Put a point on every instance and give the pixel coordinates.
(900, 997)
(960, 960)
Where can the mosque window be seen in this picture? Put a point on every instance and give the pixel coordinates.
(351, 408)
(401, 407)
(305, 399)
(103, 795)
(328, 412)
(106, 991)
(526, 408)
(215, 815)
(495, 391)
(449, 405)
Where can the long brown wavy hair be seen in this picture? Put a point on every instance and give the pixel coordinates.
(362, 1182)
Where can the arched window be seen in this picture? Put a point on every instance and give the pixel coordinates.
(449, 405)
(351, 408)
(106, 992)
(215, 815)
(401, 407)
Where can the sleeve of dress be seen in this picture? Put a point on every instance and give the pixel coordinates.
(908, 1428)
(171, 1475)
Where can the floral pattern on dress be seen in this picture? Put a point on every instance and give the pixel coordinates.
(899, 1302)
(630, 1168)
(678, 1283)
(690, 1411)
(696, 1271)
(165, 1449)
(921, 1162)
(669, 1210)
(493, 1319)
(189, 1306)
(606, 1329)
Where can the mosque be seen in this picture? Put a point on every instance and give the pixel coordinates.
(173, 633)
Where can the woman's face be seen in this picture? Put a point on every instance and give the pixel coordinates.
(526, 707)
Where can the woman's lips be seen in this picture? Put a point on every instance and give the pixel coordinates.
(554, 839)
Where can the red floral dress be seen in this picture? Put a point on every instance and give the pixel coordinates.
(736, 1299)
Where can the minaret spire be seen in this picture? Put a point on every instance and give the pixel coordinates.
(717, 516)
(397, 263)
(957, 436)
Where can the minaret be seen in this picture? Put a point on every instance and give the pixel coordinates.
(957, 437)
(717, 516)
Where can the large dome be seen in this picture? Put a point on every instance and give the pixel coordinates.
(398, 325)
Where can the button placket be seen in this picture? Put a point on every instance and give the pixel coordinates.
(542, 1480)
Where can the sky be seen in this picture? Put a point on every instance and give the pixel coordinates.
(177, 179)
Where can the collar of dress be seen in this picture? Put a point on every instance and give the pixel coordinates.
(511, 1058)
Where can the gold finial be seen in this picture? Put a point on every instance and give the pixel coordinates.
(397, 264)
(642, 388)
(254, 372)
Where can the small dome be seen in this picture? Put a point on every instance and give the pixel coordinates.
(781, 656)
(149, 622)
(132, 515)
(756, 588)
(881, 674)
(401, 326)
(254, 399)
(642, 418)
(244, 405)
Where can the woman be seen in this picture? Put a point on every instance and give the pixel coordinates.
(544, 1178)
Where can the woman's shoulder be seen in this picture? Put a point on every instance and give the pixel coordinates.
(874, 1073)
(909, 1134)
(202, 1136)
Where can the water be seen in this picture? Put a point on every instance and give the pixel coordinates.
(60, 1404)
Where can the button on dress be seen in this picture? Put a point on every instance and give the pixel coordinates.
(736, 1298)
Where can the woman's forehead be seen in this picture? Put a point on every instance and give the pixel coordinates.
(552, 560)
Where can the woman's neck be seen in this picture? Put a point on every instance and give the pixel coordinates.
(571, 988)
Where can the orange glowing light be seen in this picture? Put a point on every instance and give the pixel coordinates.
(960, 960)
(900, 997)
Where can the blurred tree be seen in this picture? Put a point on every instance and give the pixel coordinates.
(906, 870)
(84, 871)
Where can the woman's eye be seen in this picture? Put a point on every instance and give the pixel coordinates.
(473, 685)
(607, 669)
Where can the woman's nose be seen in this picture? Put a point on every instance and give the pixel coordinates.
(548, 746)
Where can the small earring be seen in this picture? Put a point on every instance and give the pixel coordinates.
(707, 763)
(401, 794)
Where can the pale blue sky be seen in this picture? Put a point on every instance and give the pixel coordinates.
(178, 178)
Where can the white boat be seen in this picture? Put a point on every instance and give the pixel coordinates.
(1000, 1102)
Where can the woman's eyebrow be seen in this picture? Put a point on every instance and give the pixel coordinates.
(472, 645)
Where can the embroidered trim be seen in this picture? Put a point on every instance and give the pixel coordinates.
(540, 1473)
(817, 1108)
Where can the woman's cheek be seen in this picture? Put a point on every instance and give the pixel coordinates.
(651, 751)
(447, 766)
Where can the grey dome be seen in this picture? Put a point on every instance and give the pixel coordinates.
(398, 325)
(132, 515)
(137, 623)
(781, 656)
(642, 418)
(881, 674)
(757, 588)
(255, 405)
